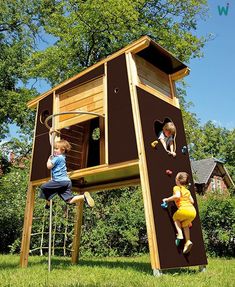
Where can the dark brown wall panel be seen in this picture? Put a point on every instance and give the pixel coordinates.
(121, 135)
(161, 184)
(45, 107)
(42, 148)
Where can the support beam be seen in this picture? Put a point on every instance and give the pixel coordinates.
(153, 248)
(77, 232)
(28, 219)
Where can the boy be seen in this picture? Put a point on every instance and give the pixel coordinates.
(60, 183)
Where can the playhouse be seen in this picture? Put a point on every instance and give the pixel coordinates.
(121, 98)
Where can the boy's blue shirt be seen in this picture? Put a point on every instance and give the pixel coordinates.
(59, 170)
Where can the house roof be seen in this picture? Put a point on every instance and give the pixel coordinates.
(146, 48)
(203, 169)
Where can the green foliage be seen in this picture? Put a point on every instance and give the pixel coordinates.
(13, 187)
(21, 146)
(214, 141)
(116, 226)
(77, 34)
(217, 215)
(18, 28)
(87, 31)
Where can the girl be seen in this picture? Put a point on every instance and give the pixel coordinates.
(186, 212)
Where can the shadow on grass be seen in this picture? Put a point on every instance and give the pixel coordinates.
(142, 267)
(65, 263)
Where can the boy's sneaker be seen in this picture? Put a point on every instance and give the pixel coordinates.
(88, 199)
(187, 246)
(47, 206)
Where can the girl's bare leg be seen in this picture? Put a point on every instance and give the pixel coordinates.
(179, 229)
(186, 233)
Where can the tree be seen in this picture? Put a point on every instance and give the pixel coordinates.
(87, 31)
(214, 141)
(13, 187)
(19, 27)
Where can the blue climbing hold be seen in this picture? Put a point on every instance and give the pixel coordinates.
(184, 149)
(164, 204)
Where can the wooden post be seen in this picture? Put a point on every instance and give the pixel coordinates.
(153, 248)
(28, 219)
(77, 231)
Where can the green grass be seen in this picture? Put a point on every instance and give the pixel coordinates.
(111, 272)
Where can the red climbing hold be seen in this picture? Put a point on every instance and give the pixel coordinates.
(169, 172)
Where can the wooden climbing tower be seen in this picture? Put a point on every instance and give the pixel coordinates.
(128, 92)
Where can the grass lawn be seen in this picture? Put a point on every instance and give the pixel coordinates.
(111, 272)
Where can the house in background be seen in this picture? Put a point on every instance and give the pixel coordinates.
(211, 175)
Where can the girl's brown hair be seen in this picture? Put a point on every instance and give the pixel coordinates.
(63, 145)
(183, 178)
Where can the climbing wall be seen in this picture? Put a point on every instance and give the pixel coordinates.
(153, 109)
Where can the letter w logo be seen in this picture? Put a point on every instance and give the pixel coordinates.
(223, 10)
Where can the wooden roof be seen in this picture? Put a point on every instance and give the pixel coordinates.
(144, 47)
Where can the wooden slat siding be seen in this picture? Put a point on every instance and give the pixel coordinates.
(79, 119)
(86, 97)
(78, 104)
(76, 136)
(82, 92)
(152, 76)
(91, 107)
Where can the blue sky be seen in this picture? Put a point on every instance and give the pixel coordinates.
(211, 80)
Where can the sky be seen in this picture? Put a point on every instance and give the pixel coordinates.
(210, 83)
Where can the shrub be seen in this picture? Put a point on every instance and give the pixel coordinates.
(116, 226)
(217, 214)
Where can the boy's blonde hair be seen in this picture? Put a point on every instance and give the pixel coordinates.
(169, 127)
(182, 178)
(63, 145)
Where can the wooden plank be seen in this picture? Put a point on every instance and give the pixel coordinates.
(173, 92)
(106, 137)
(100, 174)
(143, 67)
(152, 76)
(28, 219)
(88, 108)
(102, 140)
(155, 87)
(77, 232)
(111, 185)
(180, 74)
(151, 228)
(157, 94)
(82, 92)
(79, 119)
(81, 104)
